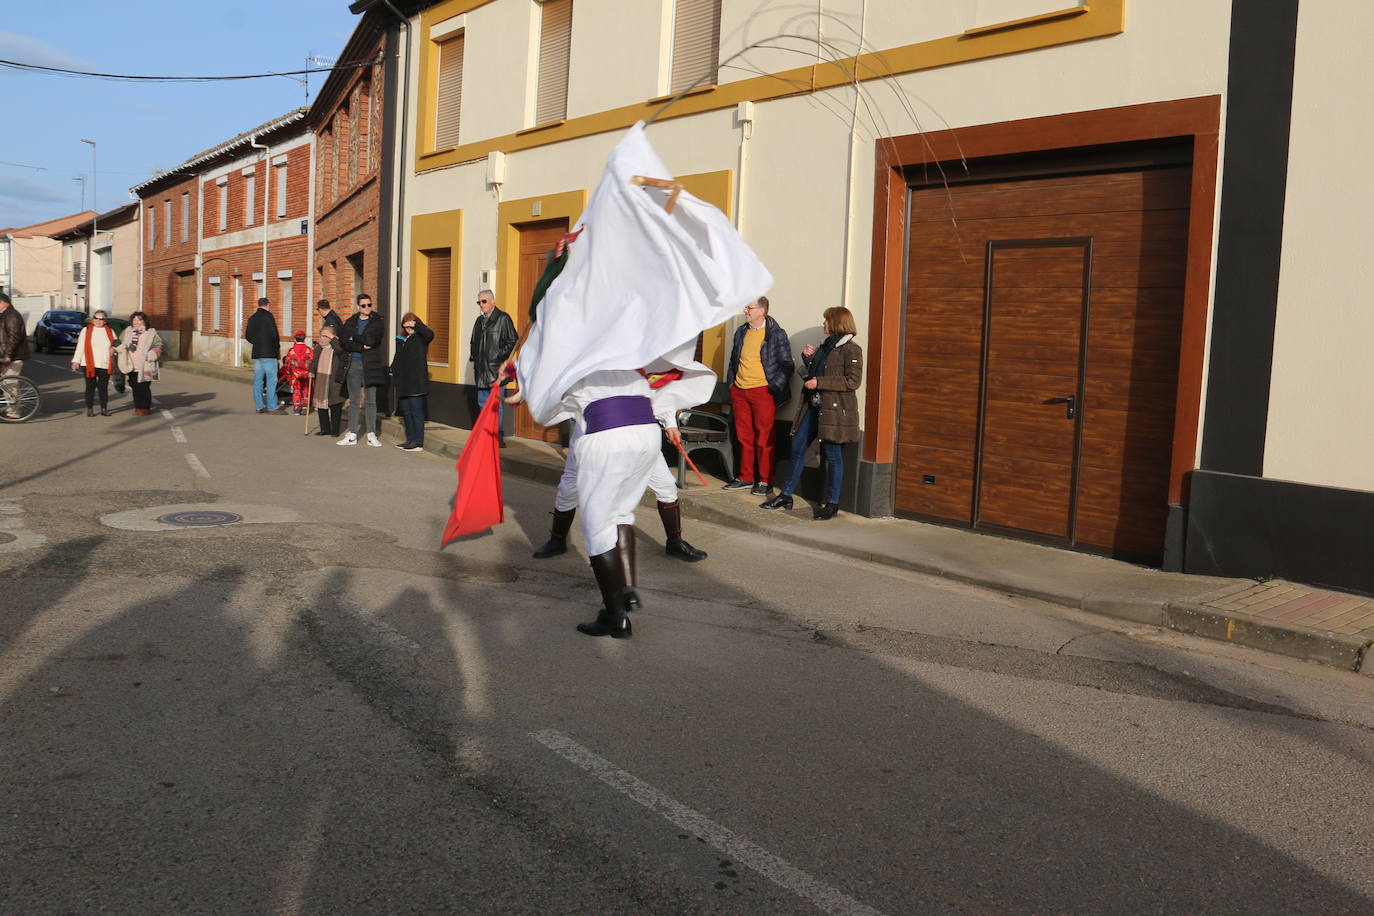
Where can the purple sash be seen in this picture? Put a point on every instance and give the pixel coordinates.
(614, 412)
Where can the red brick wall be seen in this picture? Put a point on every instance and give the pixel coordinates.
(162, 262)
(297, 191)
(242, 262)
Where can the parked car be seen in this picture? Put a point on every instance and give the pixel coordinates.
(57, 328)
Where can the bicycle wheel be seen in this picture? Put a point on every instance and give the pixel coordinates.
(19, 399)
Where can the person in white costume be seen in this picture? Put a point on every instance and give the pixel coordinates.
(633, 292)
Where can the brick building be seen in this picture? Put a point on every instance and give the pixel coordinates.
(169, 211)
(347, 119)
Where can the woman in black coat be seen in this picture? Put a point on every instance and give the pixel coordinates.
(410, 378)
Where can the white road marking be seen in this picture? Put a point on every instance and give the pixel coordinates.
(196, 466)
(825, 897)
(167, 415)
(178, 435)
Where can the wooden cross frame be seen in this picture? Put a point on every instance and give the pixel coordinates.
(666, 184)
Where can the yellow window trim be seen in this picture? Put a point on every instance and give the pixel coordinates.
(1097, 19)
(429, 231)
(510, 216)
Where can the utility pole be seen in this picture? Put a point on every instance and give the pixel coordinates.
(95, 205)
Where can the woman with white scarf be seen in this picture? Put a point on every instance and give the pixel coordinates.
(140, 348)
(95, 352)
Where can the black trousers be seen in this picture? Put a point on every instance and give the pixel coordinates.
(100, 382)
(330, 418)
(141, 390)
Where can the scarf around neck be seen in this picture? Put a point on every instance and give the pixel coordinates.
(823, 353)
(142, 341)
(90, 356)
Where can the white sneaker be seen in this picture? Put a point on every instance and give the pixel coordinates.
(373, 440)
(348, 439)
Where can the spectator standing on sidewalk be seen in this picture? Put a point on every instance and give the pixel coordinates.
(364, 340)
(329, 375)
(410, 378)
(328, 317)
(262, 334)
(14, 349)
(829, 409)
(95, 353)
(493, 339)
(140, 348)
(759, 377)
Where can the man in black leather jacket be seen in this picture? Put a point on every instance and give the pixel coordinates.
(364, 340)
(493, 339)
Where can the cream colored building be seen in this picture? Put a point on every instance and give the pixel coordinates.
(1110, 292)
(106, 277)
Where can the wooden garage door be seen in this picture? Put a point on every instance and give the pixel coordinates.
(1022, 294)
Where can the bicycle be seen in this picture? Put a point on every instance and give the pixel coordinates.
(19, 399)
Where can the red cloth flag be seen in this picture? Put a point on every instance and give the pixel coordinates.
(477, 503)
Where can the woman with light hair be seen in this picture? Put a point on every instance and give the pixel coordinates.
(95, 353)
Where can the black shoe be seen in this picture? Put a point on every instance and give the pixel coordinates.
(762, 488)
(781, 501)
(631, 600)
(324, 432)
(684, 551)
(737, 484)
(826, 512)
(616, 626)
(557, 544)
(262, 410)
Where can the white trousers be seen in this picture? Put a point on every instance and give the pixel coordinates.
(660, 481)
(610, 471)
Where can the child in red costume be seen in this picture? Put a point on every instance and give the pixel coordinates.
(295, 367)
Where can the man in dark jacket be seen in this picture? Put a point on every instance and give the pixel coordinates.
(261, 332)
(364, 340)
(759, 378)
(493, 339)
(328, 317)
(14, 349)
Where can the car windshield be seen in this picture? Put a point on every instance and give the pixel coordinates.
(67, 317)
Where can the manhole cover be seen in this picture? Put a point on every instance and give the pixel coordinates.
(202, 519)
(7, 538)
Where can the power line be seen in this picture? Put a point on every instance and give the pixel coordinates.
(131, 77)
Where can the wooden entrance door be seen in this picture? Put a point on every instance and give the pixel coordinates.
(536, 241)
(1036, 309)
(997, 325)
(184, 312)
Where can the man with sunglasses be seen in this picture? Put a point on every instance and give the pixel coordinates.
(493, 339)
(363, 340)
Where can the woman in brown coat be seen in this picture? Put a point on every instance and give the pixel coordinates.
(829, 408)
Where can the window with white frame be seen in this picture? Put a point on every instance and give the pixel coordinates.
(250, 186)
(185, 217)
(284, 299)
(696, 44)
(214, 303)
(152, 227)
(223, 204)
(555, 48)
(281, 190)
(167, 222)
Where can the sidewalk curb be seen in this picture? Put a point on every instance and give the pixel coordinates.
(1339, 651)
(1348, 653)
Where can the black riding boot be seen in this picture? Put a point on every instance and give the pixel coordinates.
(671, 514)
(612, 621)
(625, 547)
(558, 535)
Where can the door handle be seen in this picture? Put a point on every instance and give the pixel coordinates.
(1070, 405)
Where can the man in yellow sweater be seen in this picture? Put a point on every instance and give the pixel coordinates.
(759, 378)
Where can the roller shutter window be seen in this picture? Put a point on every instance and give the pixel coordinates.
(438, 301)
(696, 44)
(555, 43)
(450, 93)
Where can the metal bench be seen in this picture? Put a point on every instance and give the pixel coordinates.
(702, 430)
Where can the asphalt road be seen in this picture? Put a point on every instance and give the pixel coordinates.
(314, 710)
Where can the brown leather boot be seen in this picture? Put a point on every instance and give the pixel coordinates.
(558, 535)
(671, 515)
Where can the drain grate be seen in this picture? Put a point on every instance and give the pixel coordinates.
(7, 538)
(199, 519)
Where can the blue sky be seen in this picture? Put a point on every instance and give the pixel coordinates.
(139, 128)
